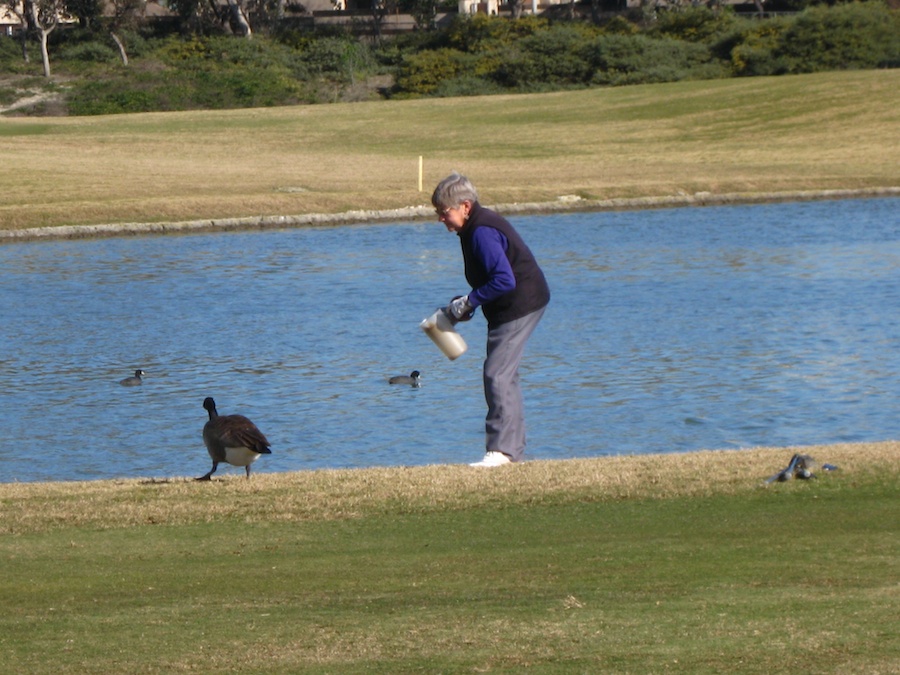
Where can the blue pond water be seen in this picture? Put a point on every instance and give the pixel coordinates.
(669, 331)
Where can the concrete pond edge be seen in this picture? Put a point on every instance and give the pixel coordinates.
(563, 204)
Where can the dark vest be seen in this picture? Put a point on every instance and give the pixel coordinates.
(531, 292)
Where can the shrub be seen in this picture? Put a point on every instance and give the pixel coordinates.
(856, 35)
(693, 24)
(393, 51)
(557, 55)
(421, 74)
(111, 96)
(222, 51)
(89, 52)
(619, 25)
(754, 52)
(11, 60)
(482, 33)
(467, 85)
(638, 59)
(8, 95)
(188, 89)
(340, 57)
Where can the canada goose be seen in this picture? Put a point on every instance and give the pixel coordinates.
(411, 379)
(231, 438)
(134, 380)
(802, 467)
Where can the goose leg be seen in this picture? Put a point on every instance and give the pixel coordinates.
(248, 472)
(211, 472)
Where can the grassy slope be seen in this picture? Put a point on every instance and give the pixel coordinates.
(679, 563)
(640, 564)
(811, 132)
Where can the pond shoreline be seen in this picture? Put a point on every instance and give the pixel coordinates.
(572, 203)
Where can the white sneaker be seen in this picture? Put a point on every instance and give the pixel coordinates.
(493, 458)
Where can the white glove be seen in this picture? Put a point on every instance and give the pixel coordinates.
(459, 308)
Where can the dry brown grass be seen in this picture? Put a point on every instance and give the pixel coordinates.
(339, 494)
(742, 136)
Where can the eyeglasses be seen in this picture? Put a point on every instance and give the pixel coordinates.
(443, 213)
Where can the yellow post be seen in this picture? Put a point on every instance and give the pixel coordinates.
(420, 173)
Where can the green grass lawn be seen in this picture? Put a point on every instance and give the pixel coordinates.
(799, 577)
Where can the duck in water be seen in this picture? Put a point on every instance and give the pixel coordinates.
(412, 379)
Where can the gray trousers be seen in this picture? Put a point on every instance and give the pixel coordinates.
(505, 423)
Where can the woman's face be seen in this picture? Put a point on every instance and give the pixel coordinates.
(454, 217)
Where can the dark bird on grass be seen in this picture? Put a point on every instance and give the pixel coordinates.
(412, 379)
(231, 438)
(134, 380)
(800, 467)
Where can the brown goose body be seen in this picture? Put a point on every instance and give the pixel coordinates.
(232, 439)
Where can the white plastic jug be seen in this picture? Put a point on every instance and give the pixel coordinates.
(441, 331)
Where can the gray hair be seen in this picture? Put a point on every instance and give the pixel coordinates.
(453, 191)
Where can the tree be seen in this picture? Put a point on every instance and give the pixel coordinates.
(197, 14)
(43, 17)
(86, 11)
(126, 14)
(237, 19)
(379, 12)
(15, 8)
(424, 12)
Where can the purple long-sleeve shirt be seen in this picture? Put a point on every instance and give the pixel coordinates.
(489, 245)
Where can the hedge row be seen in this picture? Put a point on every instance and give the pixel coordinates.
(474, 55)
(696, 43)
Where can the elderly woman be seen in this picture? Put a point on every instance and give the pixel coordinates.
(511, 290)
